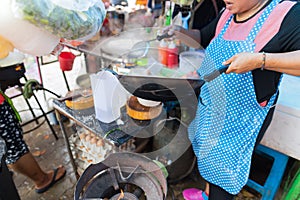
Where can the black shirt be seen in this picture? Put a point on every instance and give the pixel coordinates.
(286, 40)
(266, 82)
(203, 15)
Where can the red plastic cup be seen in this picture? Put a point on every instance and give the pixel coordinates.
(66, 60)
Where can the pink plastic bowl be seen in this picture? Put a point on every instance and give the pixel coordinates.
(192, 194)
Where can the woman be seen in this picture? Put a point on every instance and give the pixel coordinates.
(258, 40)
(18, 156)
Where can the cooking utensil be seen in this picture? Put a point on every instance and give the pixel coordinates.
(165, 89)
(159, 88)
(211, 76)
(140, 49)
(83, 81)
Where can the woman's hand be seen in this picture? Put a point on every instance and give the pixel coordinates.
(5, 47)
(192, 75)
(172, 30)
(189, 37)
(244, 62)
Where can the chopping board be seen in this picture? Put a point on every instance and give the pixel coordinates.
(80, 100)
(140, 112)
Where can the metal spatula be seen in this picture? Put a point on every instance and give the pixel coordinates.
(140, 49)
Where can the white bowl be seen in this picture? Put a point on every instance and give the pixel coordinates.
(148, 103)
(11, 59)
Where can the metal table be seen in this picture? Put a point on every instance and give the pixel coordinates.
(114, 133)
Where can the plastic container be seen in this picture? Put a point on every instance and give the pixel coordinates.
(190, 61)
(66, 60)
(192, 194)
(172, 56)
(109, 96)
(168, 14)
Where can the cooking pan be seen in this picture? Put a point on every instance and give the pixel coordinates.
(165, 89)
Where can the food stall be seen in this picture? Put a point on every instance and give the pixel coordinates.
(287, 111)
(147, 78)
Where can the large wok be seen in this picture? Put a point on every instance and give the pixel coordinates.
(165, 89)
(160, 89)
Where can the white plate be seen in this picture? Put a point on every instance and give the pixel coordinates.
(11, 59)
(118, 46)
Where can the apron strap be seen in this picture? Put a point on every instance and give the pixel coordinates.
(224, 29)
(258, 25)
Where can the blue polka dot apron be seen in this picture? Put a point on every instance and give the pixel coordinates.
(228, 117)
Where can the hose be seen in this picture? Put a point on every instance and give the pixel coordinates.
(32, 85)
(29, 87)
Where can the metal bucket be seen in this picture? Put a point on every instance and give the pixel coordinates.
(175, 149)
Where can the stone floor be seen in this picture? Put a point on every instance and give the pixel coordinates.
(50, 152)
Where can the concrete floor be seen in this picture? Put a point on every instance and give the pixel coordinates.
(51, 153)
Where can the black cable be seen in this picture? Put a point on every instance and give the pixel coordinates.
(42, 88)
(36, 127)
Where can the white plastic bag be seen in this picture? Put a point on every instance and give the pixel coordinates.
(23, 35)
(69, 19)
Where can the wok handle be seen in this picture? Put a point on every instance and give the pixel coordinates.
(163, 36)
(223, 69)
(211, 76)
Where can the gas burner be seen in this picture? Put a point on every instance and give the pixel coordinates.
(124, 196)
(137, 175)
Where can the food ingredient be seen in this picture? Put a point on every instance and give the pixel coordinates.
(63, 22)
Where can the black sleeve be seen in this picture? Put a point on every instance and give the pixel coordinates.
(206, 12)
(289, 33)
(208, 32)
(286, 40)
(288, 37)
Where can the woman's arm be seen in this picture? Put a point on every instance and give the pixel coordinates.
(288, 63)
(195, 38)
(190, 37)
